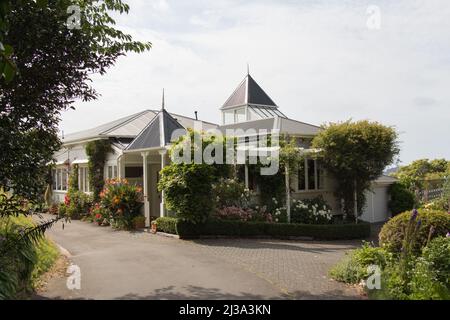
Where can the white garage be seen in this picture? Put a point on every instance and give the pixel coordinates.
(376, 209)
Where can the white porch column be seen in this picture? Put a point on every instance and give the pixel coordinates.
(246, 175)
(163, 164)
(121, 166)
(145, 188)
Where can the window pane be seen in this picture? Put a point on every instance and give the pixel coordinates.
(240, 115)
(110, 172)
(115, 172)
(81, 179)
(58, 179)
(54, 179)
(228, 117)
(64, 179)
(311, 175)
(301, 176)
(320, 176)
(254, 115)
(87, 186)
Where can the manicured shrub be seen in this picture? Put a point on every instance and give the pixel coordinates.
(123, 201)
(215, 227)
(402, 199)
(393, 232)
(167, 224)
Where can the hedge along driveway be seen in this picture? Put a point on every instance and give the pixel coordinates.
(254, 229)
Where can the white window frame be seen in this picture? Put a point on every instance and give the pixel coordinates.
(83, 179)
(60, 175)
(316, 178)
(114, 171)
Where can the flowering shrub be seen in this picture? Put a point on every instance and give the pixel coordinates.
(234, 213)
(77, 204)
(100, 214)
(122, 200)
(231, 193)
(311, 211)
(308, 211)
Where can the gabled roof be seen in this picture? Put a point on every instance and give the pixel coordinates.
(128, 127)
(158, 133)
(248, 93)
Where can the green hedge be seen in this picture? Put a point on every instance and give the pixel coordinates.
(167, 224)
(276, 230)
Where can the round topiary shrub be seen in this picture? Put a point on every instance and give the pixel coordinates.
(393, 232)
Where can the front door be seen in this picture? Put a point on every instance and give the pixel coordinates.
(154, 194)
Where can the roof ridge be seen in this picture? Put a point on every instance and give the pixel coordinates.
(126, 121)
(145, 127)
(309, 124)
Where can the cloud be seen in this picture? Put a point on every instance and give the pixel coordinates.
(317, 60)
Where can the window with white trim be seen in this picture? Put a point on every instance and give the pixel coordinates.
(111, 172)
(83, 179)
(60, 178)
(310, 175)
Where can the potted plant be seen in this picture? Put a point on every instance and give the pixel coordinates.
(154, 227)
(139, 222)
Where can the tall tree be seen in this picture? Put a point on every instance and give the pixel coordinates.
(356, 153)
(55, 58)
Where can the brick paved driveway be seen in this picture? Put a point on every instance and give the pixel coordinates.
(297, 268)
(124, 265)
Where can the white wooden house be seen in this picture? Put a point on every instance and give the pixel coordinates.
(140, 143)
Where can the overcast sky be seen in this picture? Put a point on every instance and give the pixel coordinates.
(318, 60)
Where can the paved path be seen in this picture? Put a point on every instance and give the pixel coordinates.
(126, 265)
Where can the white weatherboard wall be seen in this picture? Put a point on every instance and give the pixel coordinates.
(376, 209)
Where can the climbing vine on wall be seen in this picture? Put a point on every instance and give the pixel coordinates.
(96, 151)
(73, 179)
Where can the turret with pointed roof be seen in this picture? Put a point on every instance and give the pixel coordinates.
(249, 95)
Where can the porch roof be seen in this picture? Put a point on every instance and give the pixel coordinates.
(159, 132)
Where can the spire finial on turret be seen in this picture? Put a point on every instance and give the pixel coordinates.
(248, 69)
(162, 104)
